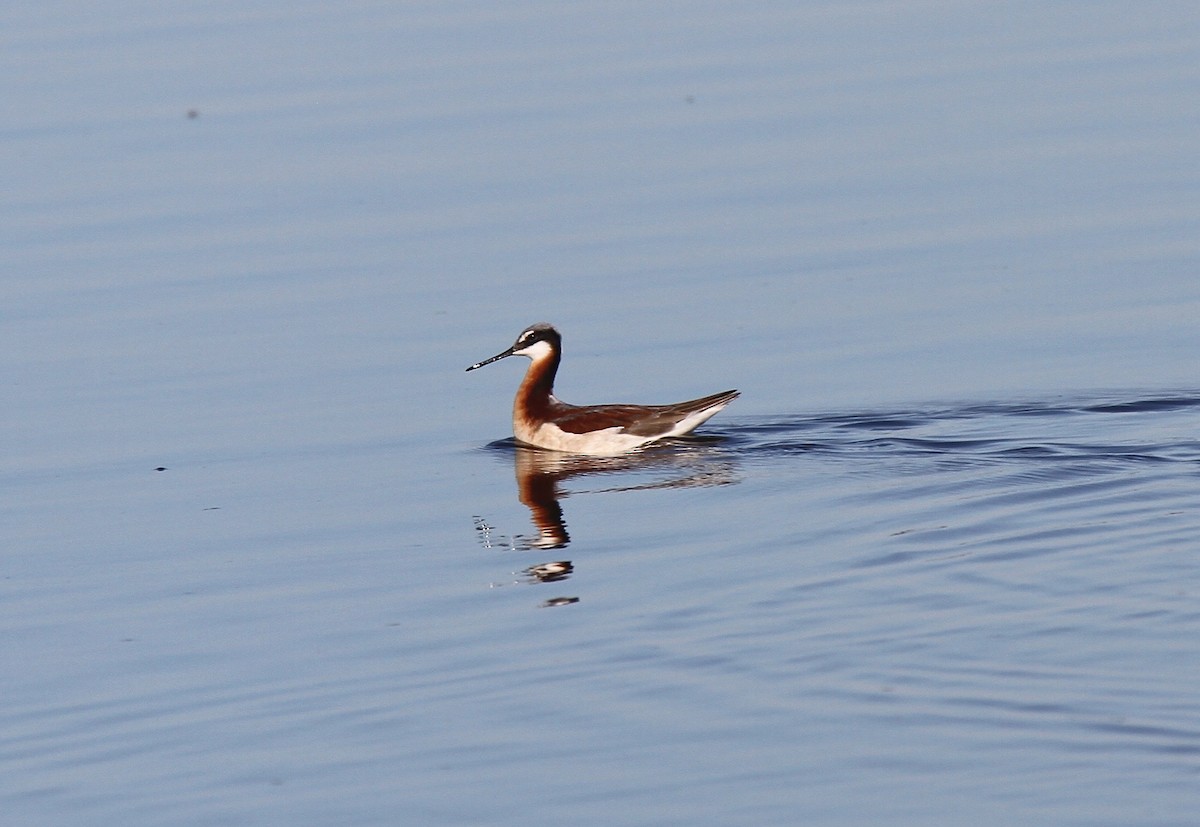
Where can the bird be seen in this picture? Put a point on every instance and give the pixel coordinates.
(542, 420)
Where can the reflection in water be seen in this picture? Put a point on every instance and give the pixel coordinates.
(540, 474)
(558, 601)
(550, 572)
(537, 489)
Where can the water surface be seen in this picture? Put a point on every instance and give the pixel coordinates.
(271, 558)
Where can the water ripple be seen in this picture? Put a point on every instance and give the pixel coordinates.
(1055, 432)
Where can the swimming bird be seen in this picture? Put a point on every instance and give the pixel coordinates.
(542, 420)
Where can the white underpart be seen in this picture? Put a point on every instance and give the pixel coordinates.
(600, 443)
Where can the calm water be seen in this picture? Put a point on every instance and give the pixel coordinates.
(270, 557)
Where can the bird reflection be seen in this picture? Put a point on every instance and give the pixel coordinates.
(538, 490)
(541, 486)
(540, 475)
(549, 572)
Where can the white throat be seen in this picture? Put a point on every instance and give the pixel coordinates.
(536, 351)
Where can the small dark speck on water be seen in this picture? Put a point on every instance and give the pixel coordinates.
(161, 468)
(559, 601)
(193, 114)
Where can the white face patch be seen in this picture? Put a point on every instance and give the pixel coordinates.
(537, 351)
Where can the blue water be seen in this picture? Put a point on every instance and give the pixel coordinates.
(271, 556)
(880, 615)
